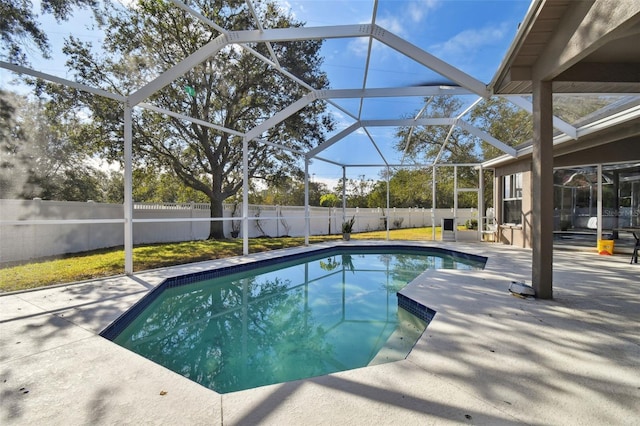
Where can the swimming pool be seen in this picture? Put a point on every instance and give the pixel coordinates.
(284, 319)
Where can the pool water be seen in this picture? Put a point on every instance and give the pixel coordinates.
(285, 322)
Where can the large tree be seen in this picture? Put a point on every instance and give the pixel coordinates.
(39, 159)
(504, 121)
(288, 191)
(407, 188)
(357, 191)
(19, 30)
(19, 25)
(496, 116)
(424, 143)
(233, 89)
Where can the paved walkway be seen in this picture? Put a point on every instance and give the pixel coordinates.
(487, 357)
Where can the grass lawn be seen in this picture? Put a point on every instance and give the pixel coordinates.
(109, 262)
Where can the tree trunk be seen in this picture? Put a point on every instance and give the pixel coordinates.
(216, 227)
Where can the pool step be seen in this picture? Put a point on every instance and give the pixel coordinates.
(413, 319)
(402, 340)
(416, 308)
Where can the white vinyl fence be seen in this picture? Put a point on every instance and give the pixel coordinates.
(57, 227)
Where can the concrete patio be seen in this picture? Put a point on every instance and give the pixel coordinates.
(487, 357)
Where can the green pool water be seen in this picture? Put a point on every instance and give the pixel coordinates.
(285, 322)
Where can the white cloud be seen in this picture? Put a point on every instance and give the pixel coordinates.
(342, 121)
(359, 46)
(392, 24)
(285, 8)
(285, 5)
(131, 4)
(467, 41)
(104, 165)
(417, 10)
(331, 183)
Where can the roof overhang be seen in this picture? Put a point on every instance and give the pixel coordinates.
(581, 46)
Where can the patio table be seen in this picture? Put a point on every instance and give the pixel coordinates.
(636, 234)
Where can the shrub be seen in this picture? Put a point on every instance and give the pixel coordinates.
(472, 224)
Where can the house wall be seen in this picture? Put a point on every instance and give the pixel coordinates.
(619, 151)
(624, 150)
(518, 235)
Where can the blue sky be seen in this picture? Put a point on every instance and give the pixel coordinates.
(472, 35)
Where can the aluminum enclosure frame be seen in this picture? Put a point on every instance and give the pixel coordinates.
(464, 84)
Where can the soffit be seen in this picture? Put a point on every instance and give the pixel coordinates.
(609, 65)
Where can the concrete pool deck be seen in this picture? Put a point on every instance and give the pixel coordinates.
(487, 357)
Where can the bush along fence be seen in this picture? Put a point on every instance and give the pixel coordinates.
(32, 229)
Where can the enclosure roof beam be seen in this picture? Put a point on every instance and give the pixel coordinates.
(469, 108)
(326, 160)
(200, 16)
(299, 33)
(271, 62)
(261, 28)
(612, 120)
(405, 165)
(409, 122)
(325, 94)
(402, 166)
(410, 135)
(190, 119)
(280, 116)
(336, 138)
(178, 70)
(487, 138)
(367, 60)
(430, 61)
(457, 165)
(392, 92)
(280, 146)
(558, 123)
(365, 30)
(52, 78)
(375, 145)
(444, 144)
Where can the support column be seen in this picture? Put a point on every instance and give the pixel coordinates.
(307, 211)
(433, 203)
(482, 214)
(245, 196)
(344, 193)
(599, 204)
(455, 203)
(542, 190)
(498, 204)
(128, 190)
(388, 200)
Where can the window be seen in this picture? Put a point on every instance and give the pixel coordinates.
(512, 199)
